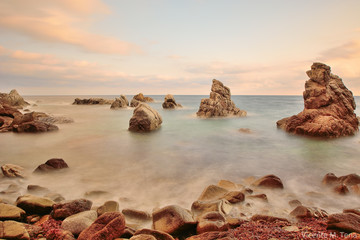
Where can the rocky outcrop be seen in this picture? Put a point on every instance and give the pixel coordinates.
(328, 107)
(144, 119)
(51, 165)
(13, 99)
(120, 102)
(170, 103)
(92, 101)
(219, 104)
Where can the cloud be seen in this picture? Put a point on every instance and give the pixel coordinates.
(62, 21)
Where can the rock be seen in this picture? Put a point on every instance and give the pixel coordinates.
(212, 236)
(120, 102)
(330, 179)
(13, 99)
(223, 206)
(212, 192)
(354, 211)
(144, 119)
(106, 227)
(12, 188)
(92, 101)
(13, 230)
(95, 193)
(219, 104)
(269, 181)
(355, 189)
(260, 196)
(34, 127)
(134, 103)
(33, 189)
(12, 170)
(266, 218)
(170, 103)
(173, 219)
(344, 222)
(234, 196)
(228, 185)
(108, 206)
(80, 221)
(143, 237)
(66, 209)
(211, 221)
(328, 107)
(159, 235)
(350, 180)
(140, 97)
(10, 212)
(56, 120)
(341, 189)
(307, 212)
(294, 203)
(56, 197)
(51, 165)
(245, 130)
(136, 216)
(35, 205)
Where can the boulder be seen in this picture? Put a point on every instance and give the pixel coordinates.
(35, 205)
(134, 103)
(228, 185)
(330, 179)
(159, 235)
(328, 107)
(294, 203)
(108, 226)
(92, 101)
(219, 104)
(173, 219)
(13, 99)
(144, 119)
(212, 192)
(13, 230)
(65, 209)
(51, 165)
(34, 127)
(269, 181)
(344, 222)
(108, 206)
(120, 102)
(56, 197)
(261, 197)
(266, 218)
(234, 196)
(140, 97)
(170, 103)
(341, 189)
(211, 221)
(213, 236)
(308, 212)
(12, 170)
(36, 189)
(222, 206)
(136, 214)
(10, 212)
(80, 221)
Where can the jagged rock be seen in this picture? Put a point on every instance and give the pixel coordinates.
(345, 222)
(328, 107)
(13, 99)
(144, 119)
(80, 221)
(169, 102)
(269, 181)
(51, 165)
(35, 205)
(30, 122)
(92, 101)
(108, 206)
(10, 212)
(211, 221)
(66, 209)
(219, 104)
(120, 102)
(140, 97)
(12, 170)
(13, 230)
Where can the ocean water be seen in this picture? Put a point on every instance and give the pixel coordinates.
(175, 163)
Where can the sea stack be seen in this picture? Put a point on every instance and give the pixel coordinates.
(328, 107)
(120, 102)
(170, 103)
(144, 119)
(219, 104)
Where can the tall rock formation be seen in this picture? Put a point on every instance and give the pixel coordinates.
(328, 107)
(219, 104)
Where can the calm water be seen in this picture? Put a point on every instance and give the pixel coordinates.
(173, 165)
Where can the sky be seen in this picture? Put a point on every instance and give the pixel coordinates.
(98, 47)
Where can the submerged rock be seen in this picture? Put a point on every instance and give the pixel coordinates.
(51, 165)
(219, 104)
(328, 107)
(144, 119)
(12, 170)
(170, 103)
(120, 102)
(13, 99)
(92, 101)
(269, 181)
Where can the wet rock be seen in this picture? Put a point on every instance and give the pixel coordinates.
(222, 206)
(13, 230)
(344, 222)
(56, 120)
(330, 179)
(269, 181)
(159, 235)
(51, 165)
(140, 97)
(95, 193)
(12, 188)
(170, 103)
(34, 127)
(120, 102)
(36, 189)
(66, 209)
(234, 196)
(294, 203)
(245, 130)
(10, 212)
(35, 205)
(137, 219)
(350, 180)
(92, 101)
(108, 206)
(78, 222)
(212, 192)
(355, 189)
(308, 212)
(108, 226)
(341, 189)
(211, 221)
(12, 170)
(219, 104)
(13, 99)
(56, 197)
(134, 103)
(144, 119)
(328, 107)
(173, 219)
(266, 218)
(143, 237)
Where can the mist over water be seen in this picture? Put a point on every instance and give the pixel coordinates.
(174, 164)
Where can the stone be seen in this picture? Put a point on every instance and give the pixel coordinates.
(234, 196)
(143, 237)
(30, 122)
(10, 212)
(173, 219)
(159, 235)
(56, 120)
(341, 189)
(328, 107)
(12, 188)
(92, 101)
(34, 204)
(56, 197)
(350, 180)
(330, 179)
(51, 165)
(212, 192)
(106, 227)
(219, 104)
(228, 185)
(269, 181)
(266, 218)
(211, 221)
(136, 214)
(80, 221)
(170, 103)
(294, 203)
(65, 209)
(308, 212)
(120, 102)
(134, 103)
(12, 170)
(344, 222)
(108, 206)
(36, 189)
(144, 119)
(13, 230)
(13, 99)
(354, 211)
(212, 236)
(140, 97)
(222, 206)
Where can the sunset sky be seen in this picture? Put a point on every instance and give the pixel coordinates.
(118, 47)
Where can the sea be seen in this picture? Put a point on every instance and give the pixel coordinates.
(174, 164)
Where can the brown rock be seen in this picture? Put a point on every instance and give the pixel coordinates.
(120, 102)
(36, 189)
(354, 211)
(266, 218)
(260, 196)
(143, 237)
(307, 212)
(294, 203)
(136, 214)
(134, 103)
(12, 170)
(349, 180)
(212, 236)
(35, 205)
(144, 119)
(228, 185)
(66, 209)
(212, 192)
(92, 101)
(106, 227)
(341, 189)
(51, 165)
(330, 179)
(108, 206)
(140, 97)
(170, 103)
(269, 181)
(328, 107)
(13, 230)
(159, 235)
(345, 222)
(219, 104)
(13, 99)
(10, 212)
(210, 222)
(234, 196)
(222, 206)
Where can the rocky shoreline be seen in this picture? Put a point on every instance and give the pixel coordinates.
(227, 210)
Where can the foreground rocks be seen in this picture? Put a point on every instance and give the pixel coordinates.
(120, 102)
(328, 107)
(219, 104)
(92, 101)
(144, 119)
(170, 103)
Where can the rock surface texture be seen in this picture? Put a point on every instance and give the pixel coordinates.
(121, 102)
(144, 119)
(170, 103)
(328, 107)
(219, 104)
